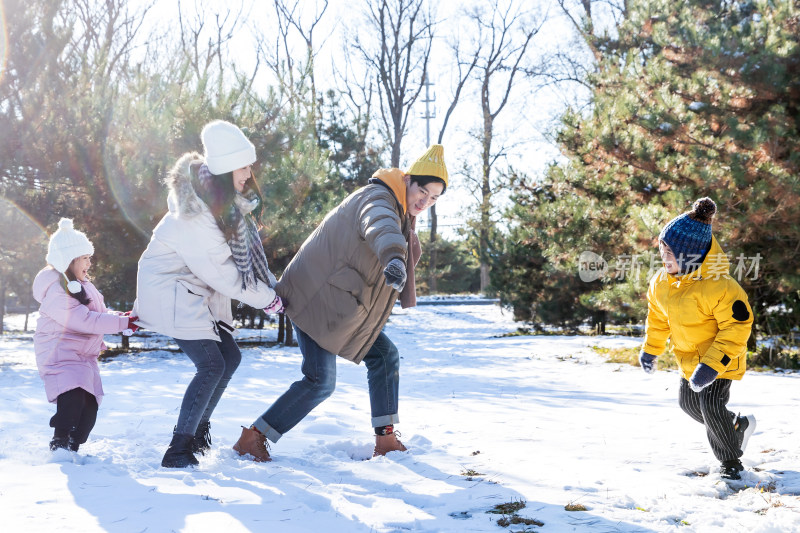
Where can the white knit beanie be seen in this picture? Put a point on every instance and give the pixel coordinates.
(66, 244)
(226, 147)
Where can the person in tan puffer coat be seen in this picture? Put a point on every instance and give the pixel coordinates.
(705, 314)
(339, 291)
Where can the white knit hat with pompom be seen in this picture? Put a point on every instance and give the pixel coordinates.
(66, 244)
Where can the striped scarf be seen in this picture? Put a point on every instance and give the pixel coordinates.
(245, 244)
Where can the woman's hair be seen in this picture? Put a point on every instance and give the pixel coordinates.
(219, 198)
(81, 296)
(424, 180)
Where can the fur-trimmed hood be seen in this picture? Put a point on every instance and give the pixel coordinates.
(183, 200)
(188, 276)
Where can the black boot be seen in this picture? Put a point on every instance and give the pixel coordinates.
(62, 439)
(731, 469)
(58, 443)
(179, 453)
(202, 438)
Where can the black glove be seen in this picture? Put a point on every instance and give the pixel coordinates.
(395, 273)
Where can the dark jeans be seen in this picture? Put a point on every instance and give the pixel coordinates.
(319, 381)
(215, 363)
(709, 408)
(76, 413)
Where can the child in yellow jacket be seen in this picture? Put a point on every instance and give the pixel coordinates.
(694, 302)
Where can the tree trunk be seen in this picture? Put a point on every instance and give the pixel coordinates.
(433, 252)
(398, 138)
(486, 189)
(484, 277)
(599, 321)
(289, 330)
(27, 312)
(2, 306)
(285, 330)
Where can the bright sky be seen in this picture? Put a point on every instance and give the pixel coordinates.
(520, 128)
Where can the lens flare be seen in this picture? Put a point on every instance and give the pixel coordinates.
(24, 226)
(140, 199)
(3, 41)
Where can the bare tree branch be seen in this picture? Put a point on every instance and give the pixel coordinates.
(404, 33)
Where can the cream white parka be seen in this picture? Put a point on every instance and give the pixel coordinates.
(187, 276)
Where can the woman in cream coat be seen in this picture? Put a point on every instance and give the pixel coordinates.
(203, 253)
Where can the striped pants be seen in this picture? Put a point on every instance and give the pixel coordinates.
(709, 408)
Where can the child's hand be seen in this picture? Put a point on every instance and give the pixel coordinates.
(647, 361)
(702, 377)
(132, 328)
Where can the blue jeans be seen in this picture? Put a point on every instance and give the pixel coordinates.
(319, 381)
(215, 363)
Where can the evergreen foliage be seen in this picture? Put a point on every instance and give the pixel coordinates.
(458, 269)
(90, 133)
(689, 99)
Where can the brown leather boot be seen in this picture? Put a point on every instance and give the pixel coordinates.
(387, 443)
(253, 442)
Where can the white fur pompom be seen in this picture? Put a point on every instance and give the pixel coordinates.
(65, 223)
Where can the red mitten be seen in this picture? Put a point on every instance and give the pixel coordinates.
(132, 328)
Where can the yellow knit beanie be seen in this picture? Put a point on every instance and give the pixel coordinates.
(431, 163)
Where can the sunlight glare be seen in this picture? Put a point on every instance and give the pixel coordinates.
(3, 42)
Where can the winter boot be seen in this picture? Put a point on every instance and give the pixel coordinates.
(744, 426)
(254, 443)
(202, 439)
(179, 453)
(63, 440)
(388, 443)
(731, 469)
(59, 443)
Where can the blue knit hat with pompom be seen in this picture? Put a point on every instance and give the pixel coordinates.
(689, 234)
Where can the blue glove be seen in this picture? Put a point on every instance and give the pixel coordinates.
(702, 377)
(648, 362)
(395, 273)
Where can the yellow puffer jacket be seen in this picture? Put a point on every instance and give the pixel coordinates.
(705, 313)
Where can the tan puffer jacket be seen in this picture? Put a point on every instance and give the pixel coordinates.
(334, 287)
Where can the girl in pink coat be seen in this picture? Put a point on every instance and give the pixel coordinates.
(69, 335)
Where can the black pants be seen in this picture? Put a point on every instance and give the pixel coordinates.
(709, 408)
(76, 413)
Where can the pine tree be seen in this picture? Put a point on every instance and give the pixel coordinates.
(689, 99)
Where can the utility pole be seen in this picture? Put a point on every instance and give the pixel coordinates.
(430, 113)
(432, 220)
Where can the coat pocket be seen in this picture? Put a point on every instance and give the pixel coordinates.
(344, 298)
(350, 281)
(191, 308)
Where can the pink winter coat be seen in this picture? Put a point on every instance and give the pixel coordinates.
(69, 336)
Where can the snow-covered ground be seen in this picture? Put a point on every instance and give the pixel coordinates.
(488, 420)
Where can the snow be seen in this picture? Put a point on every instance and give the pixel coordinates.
(488, 420)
